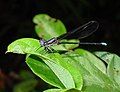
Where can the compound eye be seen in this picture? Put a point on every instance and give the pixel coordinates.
(42, 42)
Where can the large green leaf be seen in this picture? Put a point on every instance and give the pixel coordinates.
(43, 71)
(64, 62)
(113, 66)
(48, 27)
(63, 74)
(74, 60)
(92, 73)
(59, 66)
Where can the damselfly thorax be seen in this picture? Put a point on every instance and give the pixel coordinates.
(49, 43)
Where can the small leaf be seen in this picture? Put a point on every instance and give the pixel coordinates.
(48, 27)
(24, 45)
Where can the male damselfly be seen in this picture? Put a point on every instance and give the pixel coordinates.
(79, 33)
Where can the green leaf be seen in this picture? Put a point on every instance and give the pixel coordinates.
(105, 56)
(62, 90)
(55, 90)
(73, 90)
(24, 45)
(61, 64)
(92, 73)
(25, 86)
(43, 71)
(93, 59)
(29, 46)
(75, 59)
(98, 88)
(48, 27)
(63, 74)
(113, 66)
(113, 69)
(71, 46)
(65, 62)
(66, 47)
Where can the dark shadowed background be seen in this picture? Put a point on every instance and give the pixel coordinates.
(16, 22)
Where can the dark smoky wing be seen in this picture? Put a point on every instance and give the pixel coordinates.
(82, 31)
(87, 29)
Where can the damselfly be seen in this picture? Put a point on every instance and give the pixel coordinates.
(79, 33)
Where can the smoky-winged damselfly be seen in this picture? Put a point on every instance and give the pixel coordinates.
(79, 33)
